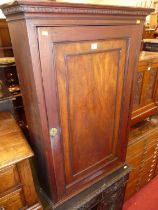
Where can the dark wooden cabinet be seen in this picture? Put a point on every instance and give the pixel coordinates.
(79, 74)
(76, 66)
(146, 87)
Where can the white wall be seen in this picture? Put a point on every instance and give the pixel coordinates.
(3, 2)
(114, 2)
(1, 14)
(110, 2)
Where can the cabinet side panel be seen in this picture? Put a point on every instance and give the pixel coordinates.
(29, 76)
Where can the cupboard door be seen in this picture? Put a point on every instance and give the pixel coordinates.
(146, 91)
(87, 85)
(145, 88)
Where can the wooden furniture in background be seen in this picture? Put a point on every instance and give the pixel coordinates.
(9, 77)
(76, 64)
(142, 154)
(142, 146)
(5, 42)
(145, 101)
(17, 189)
(148, 33)
(6, 99)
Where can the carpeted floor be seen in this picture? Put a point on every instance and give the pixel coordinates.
(145, 199)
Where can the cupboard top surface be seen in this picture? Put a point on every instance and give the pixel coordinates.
(13, 146)
(53, 7)
(143, 128)
(146, 55)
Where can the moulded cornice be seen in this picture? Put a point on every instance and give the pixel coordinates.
(69, 8)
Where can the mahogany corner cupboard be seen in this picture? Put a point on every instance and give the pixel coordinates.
(76, 65)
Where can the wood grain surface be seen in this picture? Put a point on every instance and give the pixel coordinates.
(13, 145)
(146, 87)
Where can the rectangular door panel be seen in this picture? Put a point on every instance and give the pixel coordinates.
(149, 95)
(91, 110)
(90, 89)
(85, 80)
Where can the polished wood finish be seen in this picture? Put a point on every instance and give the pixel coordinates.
(79, 62)
(84, 116)
(146, 87)
(17, 189)
(142, 146)
(12, 150)
(142, 154)
(9, 77)
(11, 177)
(5, 41)
(14, 200)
